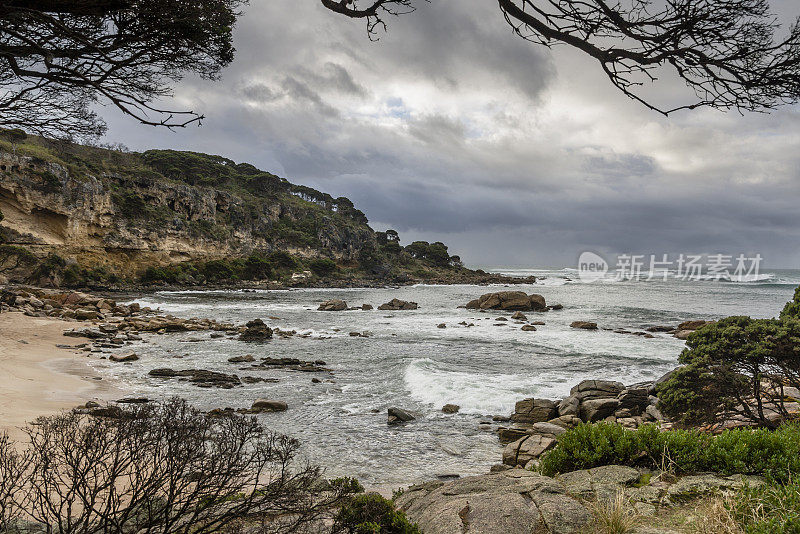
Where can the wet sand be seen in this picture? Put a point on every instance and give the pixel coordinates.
(36, 377)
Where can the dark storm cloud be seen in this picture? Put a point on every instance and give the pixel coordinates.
(452, 128)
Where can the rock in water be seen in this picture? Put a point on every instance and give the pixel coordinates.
(397, 304)
(333, 305)
(265, 405)
(508, 300)
(451, 408)
(256, 331)
(398, 415)
(584, 325)
(123, 358)
(529, 328)
(519, 316)
(242, 359)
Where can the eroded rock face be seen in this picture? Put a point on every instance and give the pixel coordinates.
(515, 501)
(508, 300)
(83, 217)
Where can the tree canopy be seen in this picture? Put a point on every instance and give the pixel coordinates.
(59, 58)
(726, 51)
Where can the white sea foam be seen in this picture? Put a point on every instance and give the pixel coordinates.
(474, 393)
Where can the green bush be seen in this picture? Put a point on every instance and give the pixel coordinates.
(792, 308)
(767, 509)
(322, 266)
(728, 365)
(257, 267)
(372, 514)
(775, 454)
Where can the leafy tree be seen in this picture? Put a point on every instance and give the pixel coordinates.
(392, 235)
(258, 267)
(15, 136)
(322, 266)
(792, 308)
(737, 366)
(418, 249)
(438, 255)
(725, 51)
(57, 58)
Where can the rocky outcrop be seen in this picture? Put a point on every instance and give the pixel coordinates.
(584, 325)
(538, 423)
(333, 305)
(512, 502)
(134, 217)
(256, 330)
(397, 304)
(508, 300)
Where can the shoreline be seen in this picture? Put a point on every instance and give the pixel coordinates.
(39, 378)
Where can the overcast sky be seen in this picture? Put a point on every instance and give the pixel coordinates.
(451, 128)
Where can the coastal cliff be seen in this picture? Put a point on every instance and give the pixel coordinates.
(89, 215)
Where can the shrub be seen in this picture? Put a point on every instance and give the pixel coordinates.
(157, 468)
(322, 266)
(257, 267)
(767, 509)
(736, 366)
(218, 270)
(371, 513)
(742, 451)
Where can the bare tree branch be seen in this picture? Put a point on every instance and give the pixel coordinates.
(725, 51)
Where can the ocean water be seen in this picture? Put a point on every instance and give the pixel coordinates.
(407, 361)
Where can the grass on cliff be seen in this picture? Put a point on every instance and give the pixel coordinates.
(774, 454)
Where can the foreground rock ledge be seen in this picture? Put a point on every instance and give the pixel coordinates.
(512, 502)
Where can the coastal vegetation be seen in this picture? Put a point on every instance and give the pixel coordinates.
(737, 367)
(162, 468)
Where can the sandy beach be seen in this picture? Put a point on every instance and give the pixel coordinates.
(38, 378)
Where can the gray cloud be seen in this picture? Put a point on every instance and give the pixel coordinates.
(451, 128)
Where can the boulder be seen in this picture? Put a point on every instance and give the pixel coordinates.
(528, 328)
(123, 358)
(451, 408)
(398, 415)
(366, 307)
(655, 413)
(397, 304)
(534, 411)
(597, 389)
(265, 405)
(519, 316)
(584, 325)
(693, 325)
(569, 406)
(526, 449)
(635, 400)
(509, 300)
(511, 501)
(256, 331)
(333, 305)
(598, 409)
(683, 334)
